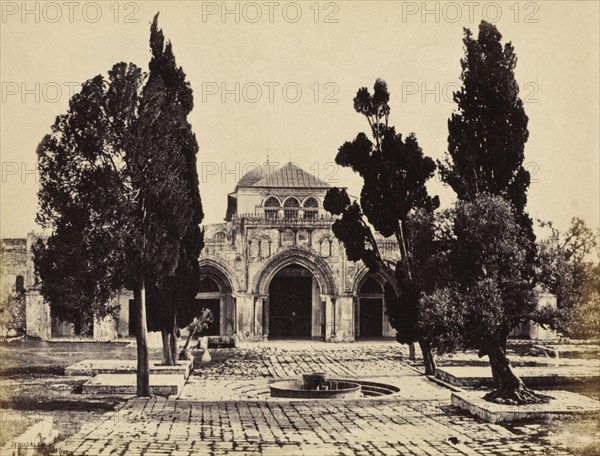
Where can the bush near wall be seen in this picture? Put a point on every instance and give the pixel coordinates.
(584, 318)
(12, 314)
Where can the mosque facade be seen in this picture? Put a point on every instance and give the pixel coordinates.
(273, 269)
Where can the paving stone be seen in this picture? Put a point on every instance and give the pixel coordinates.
(224, 410)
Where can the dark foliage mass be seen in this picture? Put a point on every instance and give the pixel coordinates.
(487, 134)
(171, 298)
(393, 168)
(490, 254)
(119, 189)
(394, 172)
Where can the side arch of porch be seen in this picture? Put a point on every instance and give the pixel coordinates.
(218, 287)
(369, 311)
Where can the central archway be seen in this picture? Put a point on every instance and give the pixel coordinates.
(291, 294)
(304, 266)
(296, 255)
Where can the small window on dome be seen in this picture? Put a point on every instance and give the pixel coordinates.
(311, 203)
(271, 201)
(220, 237)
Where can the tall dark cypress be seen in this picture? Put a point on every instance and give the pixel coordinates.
(171, 299)
(488, 132)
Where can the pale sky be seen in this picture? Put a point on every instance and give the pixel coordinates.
(280, 47)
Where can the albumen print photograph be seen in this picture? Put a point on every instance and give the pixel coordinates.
(299, 227)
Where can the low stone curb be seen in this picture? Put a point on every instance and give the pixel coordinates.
(119, 377)
(563, 403)
(441, 382)
(125, 384)
(92, 367)
(475, 376)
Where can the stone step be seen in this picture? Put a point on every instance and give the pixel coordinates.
(372, 389)
(376, 391)
(221, 342)
(125, 384)
(91, 367)
(472, 376)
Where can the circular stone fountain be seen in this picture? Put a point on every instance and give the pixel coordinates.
(316, 386)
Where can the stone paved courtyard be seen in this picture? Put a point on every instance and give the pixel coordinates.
(222, 411)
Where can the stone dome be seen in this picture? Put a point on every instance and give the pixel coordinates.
(288, 176)
(252, 176)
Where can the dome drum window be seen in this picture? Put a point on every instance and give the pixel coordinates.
(291, 208)
(271, 207)
(311, 208)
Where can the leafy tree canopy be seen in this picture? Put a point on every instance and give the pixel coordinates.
(568, 267)
(486, 293)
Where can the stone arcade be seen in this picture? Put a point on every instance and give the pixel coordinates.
(272, 270)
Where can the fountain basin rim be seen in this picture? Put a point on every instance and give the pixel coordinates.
(293, 389)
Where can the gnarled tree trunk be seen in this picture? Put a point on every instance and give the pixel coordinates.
(141, 336)
(428, 359)
(510, 388)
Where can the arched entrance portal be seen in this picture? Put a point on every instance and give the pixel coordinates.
(292, 292)
(370, 314)
(216, 294)
(279, 302)
(210, 297)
